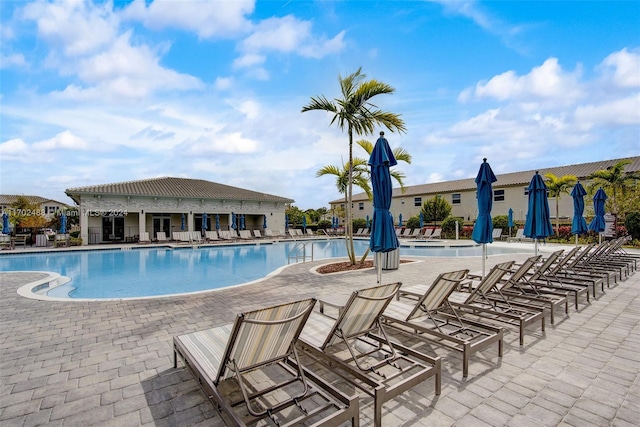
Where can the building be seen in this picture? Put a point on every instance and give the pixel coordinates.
(510, 191)
(121, 211)
(46, 207)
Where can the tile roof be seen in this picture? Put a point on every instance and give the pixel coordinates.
(7, 199)
(176, 187)
(582, 171)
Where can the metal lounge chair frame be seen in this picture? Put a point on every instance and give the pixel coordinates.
(515, 288)
(257, 341)
(480, 304)
(380, 368)
(432, 318)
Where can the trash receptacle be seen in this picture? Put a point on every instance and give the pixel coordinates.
(390, 260)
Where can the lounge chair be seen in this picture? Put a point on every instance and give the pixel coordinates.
(519, 237)
(257, 234)
(516, 289)
(434, 319)
(20, 240)
(247, 357)
(405, 233)
(398, 232)
(497, 234)
(543, 278)
(227, 235)
(479, 305)
(270, 234)
(144, 237)
(355, 347)
(245, 235)
(161, 236)
(425, 235)
(6, 242)
(212, 236)
(62, 240)
(436, 234)
(310, 233)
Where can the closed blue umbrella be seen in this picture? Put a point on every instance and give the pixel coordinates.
(510, 223)
(483, 228)
(182, 223)
(63, 224)
(242, 222)
(400, 220)
(578, 225)
(233, 220)
(367, 223)
(304, 223)
(383, 236)
(204, 221)
(286, 221)
(5, 223)
(421, 220)
(264, 223)
(538, 223)
(598, 223)
(217, 222)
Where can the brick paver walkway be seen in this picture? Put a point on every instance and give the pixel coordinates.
(110, 363)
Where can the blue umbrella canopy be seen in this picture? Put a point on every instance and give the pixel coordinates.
(63, 224)
(264, 222)
(421, 220)
(304, 223)
(598, 223)
(233, 220)
(383, 235)
(538, 223)
(483, 228)
(242, 222)
(286, 221)
(182, 223)
(510, 224)
(204, 221)
(367, 223)
(400, 220)
(578, 225)
(5, 223)
(217, 222)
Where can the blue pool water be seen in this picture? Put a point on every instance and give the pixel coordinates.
(141, 272)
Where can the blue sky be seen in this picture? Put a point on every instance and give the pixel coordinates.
(94, 92)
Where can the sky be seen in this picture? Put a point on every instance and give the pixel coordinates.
(96, 92)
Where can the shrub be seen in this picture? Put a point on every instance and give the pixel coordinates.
(74, 234)
(501, 221)
(359, 223)
(324, 224)
(564, 233)
(632, 224)
(413, 222)
(449, 226)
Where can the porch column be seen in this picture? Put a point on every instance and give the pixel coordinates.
(84, 226)
(142, 223)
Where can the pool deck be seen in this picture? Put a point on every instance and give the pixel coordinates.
(110, 363)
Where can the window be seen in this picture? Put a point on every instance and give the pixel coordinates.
(526, 191)
(361, 206)
(50, 209)
(456, 198)
(498, 195)
(417, 201)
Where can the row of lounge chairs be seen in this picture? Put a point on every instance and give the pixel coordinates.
(458, 310)
(418, 234)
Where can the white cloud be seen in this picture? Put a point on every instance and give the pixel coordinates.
(547, 81)
(62, 141)
(13, 60)
(206, 18)
(623, 111)
(249, 60)
(623, 68)
(223, 83)
(13, 149)
(79, 27)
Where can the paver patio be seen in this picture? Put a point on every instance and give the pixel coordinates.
(110, 363)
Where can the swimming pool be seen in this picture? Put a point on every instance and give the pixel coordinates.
(156, 271)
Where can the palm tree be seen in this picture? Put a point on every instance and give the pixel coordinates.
(399, 153)
(557, 186)
(342, 177)
(355, 113)
(615, 181)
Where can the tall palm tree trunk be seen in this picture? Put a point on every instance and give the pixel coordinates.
(349, 225)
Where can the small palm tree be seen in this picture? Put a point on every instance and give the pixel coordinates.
(355, 113)
(557, 186)
(615, 181)
(399, 153)
(360, 177)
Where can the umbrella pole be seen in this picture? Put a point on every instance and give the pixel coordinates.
(379, 265)
(600, 238)
(576, 240)
(535, 245)
(484, 257)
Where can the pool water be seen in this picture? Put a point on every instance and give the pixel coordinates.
(143, 272)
